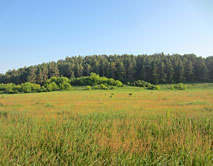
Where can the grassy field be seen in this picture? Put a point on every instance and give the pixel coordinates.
(126, 126)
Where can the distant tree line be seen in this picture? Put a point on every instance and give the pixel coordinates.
(155, 69)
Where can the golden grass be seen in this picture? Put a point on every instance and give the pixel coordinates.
(101, 128)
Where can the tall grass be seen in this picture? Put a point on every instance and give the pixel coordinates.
(92, 128)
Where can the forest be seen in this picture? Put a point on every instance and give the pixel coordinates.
(156, 69)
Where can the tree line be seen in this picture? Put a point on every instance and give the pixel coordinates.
(156, 69)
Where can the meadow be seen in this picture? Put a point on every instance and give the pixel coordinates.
(126, 126)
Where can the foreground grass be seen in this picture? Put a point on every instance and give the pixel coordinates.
(127, 126)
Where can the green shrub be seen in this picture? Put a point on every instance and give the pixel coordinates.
(172, 87)
(30, 87)
(9, 88)
(65, 86)
(96, 87)
(57, 83)
(89, 87)
(141, 83)
(43, 89)
(109, 81)
(51, 87)
(52, 84)
(104, 86)
(95, 79)
(157, 87)
(26, 87)
(118, 83)
(180, 86)
(149, 86)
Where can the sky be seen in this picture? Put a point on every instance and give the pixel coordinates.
(37, 31)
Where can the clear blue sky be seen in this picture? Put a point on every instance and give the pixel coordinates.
(36, 31)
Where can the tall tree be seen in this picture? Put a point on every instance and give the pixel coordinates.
(201, 70)
(32, 77)
(120, 70)
(155, 75)
(42, 73)
(53, 70)
(169, 71)
(162, 73)
(189, 71)
(179, 74)
(209, 64)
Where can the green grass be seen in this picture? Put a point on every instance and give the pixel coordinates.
(196, 103)
(108, 127)
(193, 86)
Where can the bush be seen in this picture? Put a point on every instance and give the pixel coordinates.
(118, 83)
(51, 87)
(172, 87)
(24, 87)
(110, 81)
(95, 79)
(157, 87)
(9, 88)
(89, 87)
(112, 87)
(30, 87)
(57, 83)
(52, 84)
(141, 83)
(154, 87)
(43, 89)
(104, 86)
(96, 87)
(180, 86)
(65, 86)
